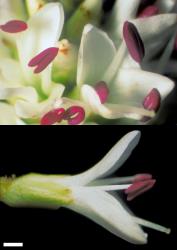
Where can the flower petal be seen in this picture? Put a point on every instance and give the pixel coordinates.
(133, 85)
(112, 161)
(11, 73)
(111, 110)
(116, 111)
(166, 5)
(12, 82)
(24, 93)
(7, 115)
(125, 10)
(44, 30)
(122, 11)
(95, 45)
(159, 25)
(27, 110)
(108, 212)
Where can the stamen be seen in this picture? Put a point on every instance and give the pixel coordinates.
(53, 116)
(121, 180)
(42, 60)
(14, 26)
(110, 188)
(138, 188)
(152, 225)
(152, 100)
(74, 115)
(102, 91)
(142, 177)
(133, 41)
(151, 10)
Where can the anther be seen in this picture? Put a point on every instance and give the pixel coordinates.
(102, 90)
(42, 60)
(133, 41)
(14, 26)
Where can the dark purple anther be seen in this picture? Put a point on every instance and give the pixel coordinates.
(102, 90)
(74, 115)
(14, 26)
(151, 10)
(133, 41)
(152, 100)
(53, 117)
(138, 188)
(142, 177)
(42, 60)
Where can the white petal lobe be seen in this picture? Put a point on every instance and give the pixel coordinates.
(112, 161)
(108, 212)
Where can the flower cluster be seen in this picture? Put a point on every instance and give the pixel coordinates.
(69, 62)
(91, 193)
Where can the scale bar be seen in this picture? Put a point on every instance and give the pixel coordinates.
(13, 244)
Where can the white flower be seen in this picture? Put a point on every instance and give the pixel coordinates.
(110, 84)
(33, 95)
(162, 63)
(127, 84)
(91, 193)
(155, 38)
(126, 10)
(92, 197)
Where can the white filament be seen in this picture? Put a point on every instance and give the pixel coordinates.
(116, 63)
(113, 180)
(109, 188)
(152, 225)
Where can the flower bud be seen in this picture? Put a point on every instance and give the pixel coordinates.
(34, 5)
(88, 12)
(65, 64)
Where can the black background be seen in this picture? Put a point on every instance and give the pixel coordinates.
(70, 150)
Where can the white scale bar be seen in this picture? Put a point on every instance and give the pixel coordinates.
(13, 244)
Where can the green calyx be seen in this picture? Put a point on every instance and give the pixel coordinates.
(35, 190)
(5, 183)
